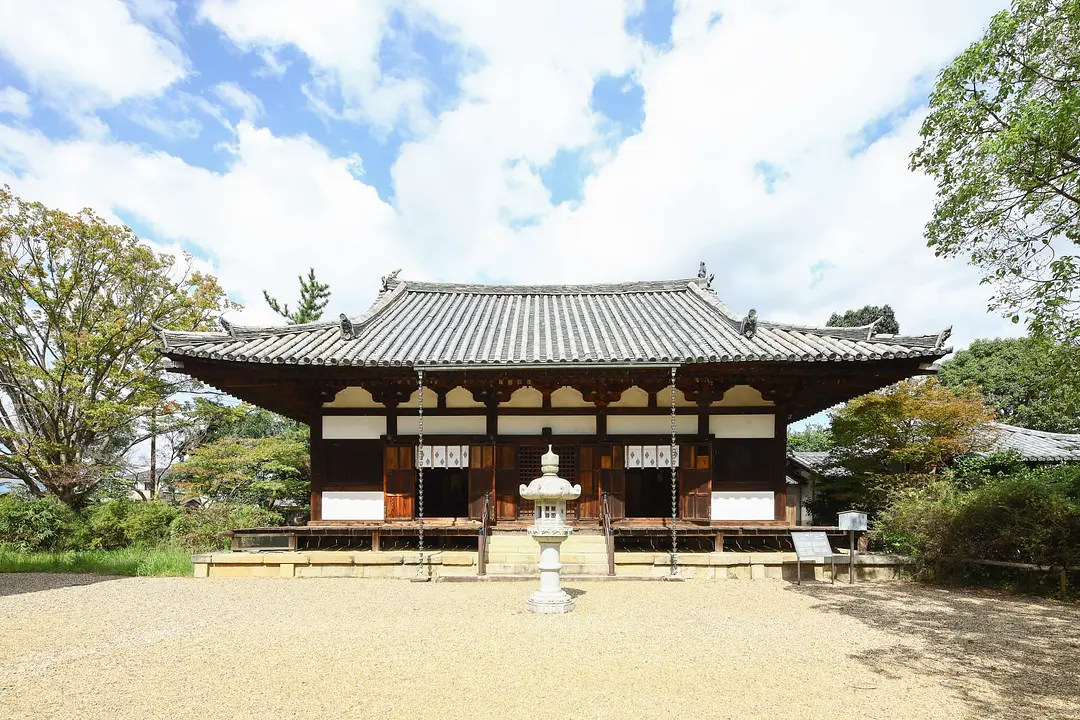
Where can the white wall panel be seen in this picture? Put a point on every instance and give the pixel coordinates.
(742, 426)
(650, 424)
(535, 424)
(443, 425)
(352, 505)
(743, 506)
(353, 427)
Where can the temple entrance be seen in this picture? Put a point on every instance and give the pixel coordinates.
(446, 492)
(648, 492)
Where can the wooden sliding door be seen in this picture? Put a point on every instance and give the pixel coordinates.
(399, 481)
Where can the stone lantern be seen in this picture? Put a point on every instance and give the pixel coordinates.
(550, 492)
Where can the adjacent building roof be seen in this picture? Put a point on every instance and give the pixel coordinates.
(1033, 446)
(1038, 445)
(443, 324)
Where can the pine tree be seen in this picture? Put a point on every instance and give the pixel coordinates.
(314, 297)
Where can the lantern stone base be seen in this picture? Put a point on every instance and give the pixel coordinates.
(550, 599)
(549, 603)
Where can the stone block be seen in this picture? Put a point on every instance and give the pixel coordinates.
(377, 558)
(757, 572)
(287, 570)
(459, 559)
(230, 571)
(202, 569)
(239, 558)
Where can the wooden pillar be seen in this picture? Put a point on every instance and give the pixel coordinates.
(376, 537)
(492, 417)
(318, 466)
(391, 419)
(779, 472)
(601, 423)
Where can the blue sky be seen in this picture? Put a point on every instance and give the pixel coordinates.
(507, 141)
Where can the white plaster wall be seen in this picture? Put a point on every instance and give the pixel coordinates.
(525, 397)
(353, 427)
(742, 396)
(634, 397)
(431, 399)
(736, 505)
(663, 398)
(559, 424)
(742, 426)
(650, 424)
(442, 425)
(352, 506)
(461, 397)
(568, 397)
(354, 397)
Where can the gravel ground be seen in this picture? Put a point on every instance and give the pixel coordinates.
(76, 646)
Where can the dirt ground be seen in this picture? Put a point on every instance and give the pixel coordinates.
(77, 646)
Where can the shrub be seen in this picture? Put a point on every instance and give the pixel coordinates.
(150, 524)
(197, 530)
(106, 520)
(1030, 516)
(28, 523)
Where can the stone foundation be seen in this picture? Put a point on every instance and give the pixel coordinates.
(509, 559)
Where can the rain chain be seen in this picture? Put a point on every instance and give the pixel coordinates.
(674, 485)
(420, 466)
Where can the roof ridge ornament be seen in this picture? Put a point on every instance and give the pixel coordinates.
(943, 336)
(389, 280)
(871, 327)
(703, 274)
(347, 330)
(226, 325)
(748, 326)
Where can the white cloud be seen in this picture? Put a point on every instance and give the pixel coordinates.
(14, 102)
(342, 41)
(87, 54)
(250, 107)
(283, 205)
(782, 82)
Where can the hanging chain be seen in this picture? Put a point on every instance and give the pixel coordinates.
(674, 485)
(420, 465)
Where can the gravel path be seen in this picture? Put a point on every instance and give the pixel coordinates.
(84, 647)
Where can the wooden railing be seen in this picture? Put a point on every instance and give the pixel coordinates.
(609, 532)
(483, 533)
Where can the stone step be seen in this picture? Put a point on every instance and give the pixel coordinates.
(533, 571)
(527, 558)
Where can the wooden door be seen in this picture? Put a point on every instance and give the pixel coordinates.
(507, 502)
(481, 477)
(612, 473)
(695, 482)
(588, 505)
(399, 481)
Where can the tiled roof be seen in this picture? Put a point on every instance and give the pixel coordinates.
(435, 324)
(1037, 445)
(1034, 446)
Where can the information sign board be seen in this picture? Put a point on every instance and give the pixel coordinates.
(809, 545)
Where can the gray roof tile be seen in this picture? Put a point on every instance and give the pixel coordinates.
(421, 323)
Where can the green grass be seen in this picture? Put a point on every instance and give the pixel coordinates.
(129, 561)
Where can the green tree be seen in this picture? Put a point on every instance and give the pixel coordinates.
(1001, 141)
(883, 315)
(314, 297)
(81, 302)
(246, 454)
(901, 437)
(265, 470)
(812, 438)
(1030, 382)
